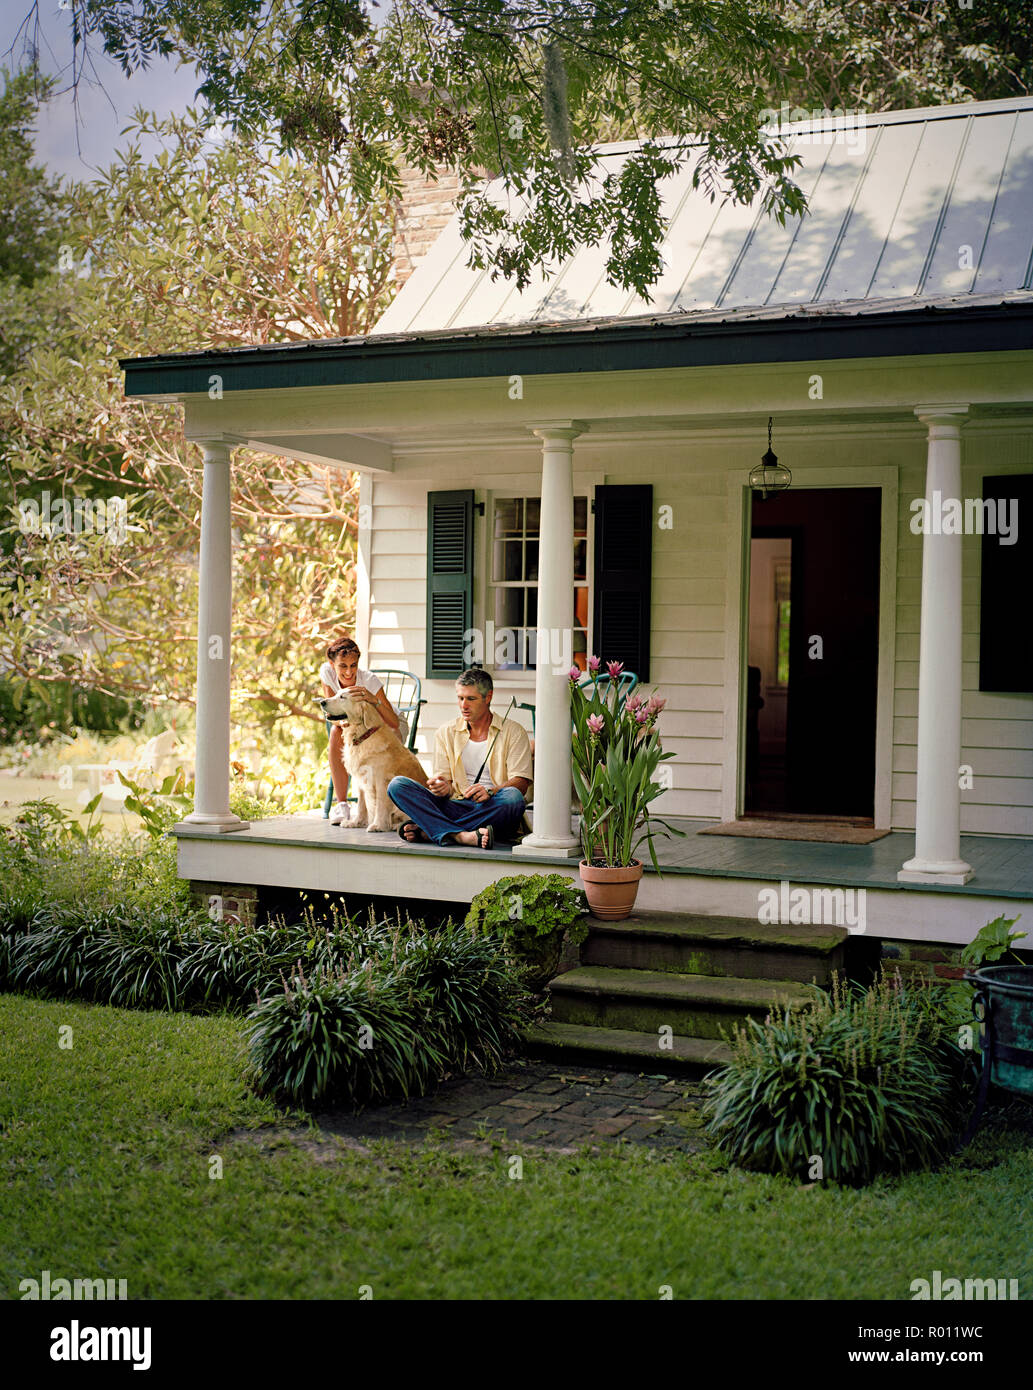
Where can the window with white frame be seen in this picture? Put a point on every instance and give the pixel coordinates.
(511, 589)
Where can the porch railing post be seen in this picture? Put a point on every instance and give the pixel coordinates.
(214, 623)
(554, 654)
(938, 801)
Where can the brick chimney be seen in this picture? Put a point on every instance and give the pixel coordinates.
(425, 207)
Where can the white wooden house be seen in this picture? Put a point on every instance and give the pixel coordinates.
(577, 460)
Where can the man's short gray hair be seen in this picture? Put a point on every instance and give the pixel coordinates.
(478, 677)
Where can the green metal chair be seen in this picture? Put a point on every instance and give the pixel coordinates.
(405, 692)
(626, 683)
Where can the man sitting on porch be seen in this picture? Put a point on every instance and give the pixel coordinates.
(482, 775)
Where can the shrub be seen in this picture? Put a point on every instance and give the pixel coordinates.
(471, 997)
(347, 1037)
(416, 1008)
(529, 914)
(869, 1081)
(124, 957)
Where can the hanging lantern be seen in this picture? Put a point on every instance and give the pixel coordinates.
(769, 475)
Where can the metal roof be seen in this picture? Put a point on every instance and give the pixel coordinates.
(907, 210)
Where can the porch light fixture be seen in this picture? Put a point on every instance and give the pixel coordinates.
(769, 475)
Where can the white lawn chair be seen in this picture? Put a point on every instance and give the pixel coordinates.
(155, 760)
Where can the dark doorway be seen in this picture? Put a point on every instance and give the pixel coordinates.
(813, 653)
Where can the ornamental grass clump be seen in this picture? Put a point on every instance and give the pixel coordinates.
(346, 1038)
(125, 957)
(866, 1081)
(422, 1005)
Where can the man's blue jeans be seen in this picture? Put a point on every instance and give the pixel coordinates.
(438, 816)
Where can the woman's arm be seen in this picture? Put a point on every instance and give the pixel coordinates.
(384, 705)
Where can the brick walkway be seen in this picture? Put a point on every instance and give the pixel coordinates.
(543, 1104)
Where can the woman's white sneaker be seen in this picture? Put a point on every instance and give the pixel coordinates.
(341, 814)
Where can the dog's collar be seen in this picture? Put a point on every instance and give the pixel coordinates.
(356, 741)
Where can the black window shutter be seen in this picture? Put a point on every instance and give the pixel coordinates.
(623, 575)
(1005, 644)
(449, 580)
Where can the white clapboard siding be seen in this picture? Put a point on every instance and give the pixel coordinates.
(984, 762)
(997, 729)
(690, 569)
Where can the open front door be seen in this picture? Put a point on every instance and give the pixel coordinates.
(813, 653)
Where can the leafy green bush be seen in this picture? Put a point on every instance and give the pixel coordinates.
(530, 913)
(992, 942)
(471, 996)
(868, 1081)
(419, 1008)
(348, 1037)
(112, 923)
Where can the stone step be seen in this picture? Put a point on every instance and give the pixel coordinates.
(735, 947)
(630, 1050)
(643, 1001)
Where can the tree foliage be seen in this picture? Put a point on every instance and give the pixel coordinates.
(214, 243)
(880, 55)
(520, 88)
(526, 88)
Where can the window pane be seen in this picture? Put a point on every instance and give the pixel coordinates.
(532, 560)
(580, 559)
(581, 607)
(506, 560)
(509, 605)
(532, 607)
(534, 515)
(580, 516)
(508, 516)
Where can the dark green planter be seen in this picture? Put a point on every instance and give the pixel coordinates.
(538, 964)
(1006, 993)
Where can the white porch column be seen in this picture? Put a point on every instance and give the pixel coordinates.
(214, 620)
(552, 805)
(938, 806)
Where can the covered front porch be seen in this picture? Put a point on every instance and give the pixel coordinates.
(708, 875)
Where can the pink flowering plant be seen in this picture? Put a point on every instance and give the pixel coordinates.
(616, 751)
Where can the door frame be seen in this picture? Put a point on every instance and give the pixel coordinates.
(737, 630)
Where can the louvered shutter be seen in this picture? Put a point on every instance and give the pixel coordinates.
(1005, 646)
(449, 580)
(623, 575)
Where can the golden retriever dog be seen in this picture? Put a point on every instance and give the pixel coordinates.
(372, 756)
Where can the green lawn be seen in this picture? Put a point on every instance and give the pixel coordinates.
(104, 1171)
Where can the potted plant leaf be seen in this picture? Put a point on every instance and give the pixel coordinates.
(615, 756)
(531, 913)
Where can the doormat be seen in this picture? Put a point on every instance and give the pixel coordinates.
(828, 832)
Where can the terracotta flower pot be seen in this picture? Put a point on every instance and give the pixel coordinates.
(611, 893)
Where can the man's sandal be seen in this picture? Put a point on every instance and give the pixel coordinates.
(491, 836)
(419, 838)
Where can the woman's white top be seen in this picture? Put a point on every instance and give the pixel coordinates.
(369, 682)
(366, 679)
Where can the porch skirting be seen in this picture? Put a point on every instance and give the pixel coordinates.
(707, 875)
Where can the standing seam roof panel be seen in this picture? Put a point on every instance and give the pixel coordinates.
(891, 226)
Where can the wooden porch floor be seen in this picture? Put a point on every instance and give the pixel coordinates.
(1003, 867)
